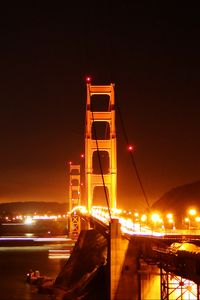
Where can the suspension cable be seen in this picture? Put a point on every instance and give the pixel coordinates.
(101, 169)
(132, 157)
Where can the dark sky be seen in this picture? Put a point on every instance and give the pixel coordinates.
(150, 51)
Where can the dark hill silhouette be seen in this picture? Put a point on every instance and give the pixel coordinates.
(180, 199)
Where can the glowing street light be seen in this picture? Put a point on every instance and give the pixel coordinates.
(187, 220)
(169, 216)
(197, 219)
(143, 221)
(192, 212)
(144, 218)
(136, 214)
(155, 217)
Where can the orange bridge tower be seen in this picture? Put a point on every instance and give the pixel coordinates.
(74, 199)
(103, 118)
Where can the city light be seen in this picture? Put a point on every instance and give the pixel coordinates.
(28, 220)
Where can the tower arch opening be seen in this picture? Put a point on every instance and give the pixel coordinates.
(104, 160)
(100, 102)
(100, 130)
(75, 182)
(75, 171)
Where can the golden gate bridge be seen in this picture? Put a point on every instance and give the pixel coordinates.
(179, 268)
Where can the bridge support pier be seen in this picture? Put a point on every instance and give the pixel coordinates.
(124, 284)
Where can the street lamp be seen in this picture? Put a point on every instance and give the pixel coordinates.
(169, 216)
(187, 220)
(170, 219)
(197, 219)
(155, 218)
(143, 221)
(144, 218)
(192, 213)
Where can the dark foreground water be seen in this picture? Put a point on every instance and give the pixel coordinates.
(15, 261)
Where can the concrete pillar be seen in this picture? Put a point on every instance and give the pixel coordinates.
(123, 255)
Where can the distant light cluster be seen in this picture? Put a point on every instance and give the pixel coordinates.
(30, 219)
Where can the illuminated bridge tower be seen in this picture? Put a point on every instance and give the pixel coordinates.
(94, 144)
(74, 198)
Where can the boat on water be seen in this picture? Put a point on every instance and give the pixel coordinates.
(43, 283)
(34, 277)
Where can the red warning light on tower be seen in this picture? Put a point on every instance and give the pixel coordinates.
(130, 148)
(88, 79)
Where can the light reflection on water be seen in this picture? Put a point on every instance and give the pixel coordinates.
(15, 262)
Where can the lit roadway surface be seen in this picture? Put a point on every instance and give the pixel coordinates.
(128, 226)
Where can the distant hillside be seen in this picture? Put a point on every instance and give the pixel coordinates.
(17, 208)
(179, 199)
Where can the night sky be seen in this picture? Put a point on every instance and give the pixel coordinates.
(152, 54)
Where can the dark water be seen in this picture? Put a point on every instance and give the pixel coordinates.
(15, 261)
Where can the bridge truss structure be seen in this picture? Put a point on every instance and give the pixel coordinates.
(176, 287)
